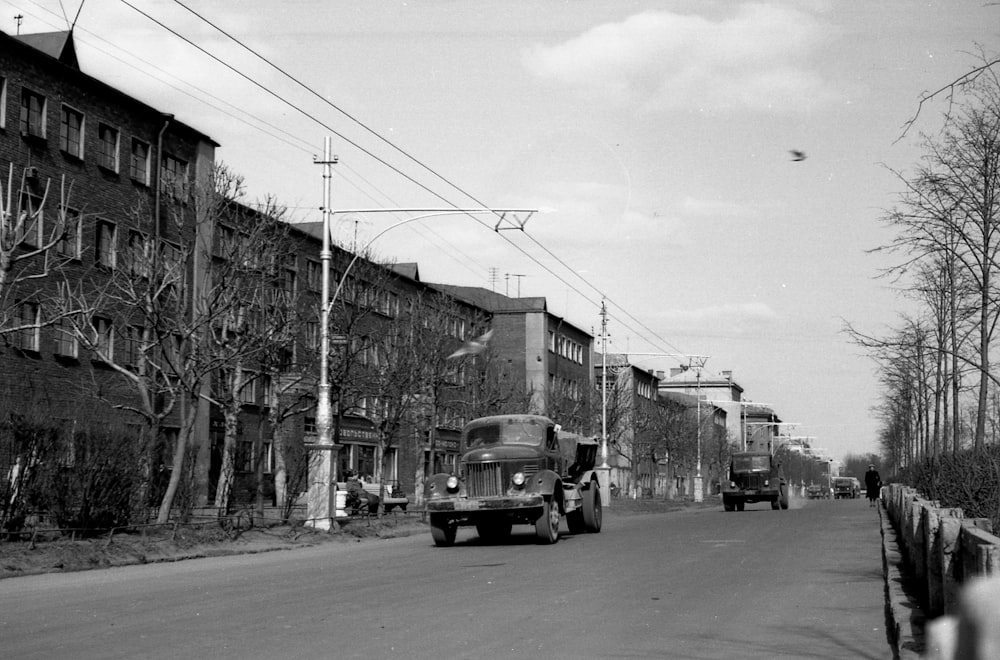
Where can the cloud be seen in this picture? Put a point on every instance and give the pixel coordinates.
(756, 58)
(730, 318)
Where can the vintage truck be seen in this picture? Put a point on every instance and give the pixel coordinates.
(754, 477)
(847, 488)
(516, 469)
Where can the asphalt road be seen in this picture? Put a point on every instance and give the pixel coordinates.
(802, 583)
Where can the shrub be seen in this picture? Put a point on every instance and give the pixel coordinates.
(969, 480)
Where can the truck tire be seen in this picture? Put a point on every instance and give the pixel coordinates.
(740, 504)
(783, 498)
(593, 516)
(727, 504)
(494, 531)
(775, 504)
(443, 530)
(547, 524)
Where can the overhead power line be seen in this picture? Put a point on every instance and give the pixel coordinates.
(392, 167)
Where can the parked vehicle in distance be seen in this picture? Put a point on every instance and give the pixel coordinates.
(815, 492)
(754, 477)
(517, 469)
(846, 488)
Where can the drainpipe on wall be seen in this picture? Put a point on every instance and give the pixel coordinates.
(159, 174)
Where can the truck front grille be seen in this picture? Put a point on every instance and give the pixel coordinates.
(484, 480)
(751, 481)
(493, 479)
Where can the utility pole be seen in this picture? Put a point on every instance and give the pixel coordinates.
(320, 503)
(604, 470)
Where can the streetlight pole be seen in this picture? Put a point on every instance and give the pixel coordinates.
(321, 504)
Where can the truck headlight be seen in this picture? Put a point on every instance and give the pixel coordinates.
(767, 482)
(732, 484)
(452, 483)
(518, 479)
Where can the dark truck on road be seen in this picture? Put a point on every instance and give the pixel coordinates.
(517, 469)
(847, 488)
(754, 477)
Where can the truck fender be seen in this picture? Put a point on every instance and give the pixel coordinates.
(437, 486)
(545, 482)
(587, 477)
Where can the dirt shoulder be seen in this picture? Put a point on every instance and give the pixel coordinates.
(53, 555)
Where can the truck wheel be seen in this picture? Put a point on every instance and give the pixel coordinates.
(574, 520)
(593, 516)
(727, 504)
(775, 505)
(740, 504)
(494, 531)
(443, 530)
(783, 498)
(547, 524)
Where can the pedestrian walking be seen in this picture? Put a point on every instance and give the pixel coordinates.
(873, 484)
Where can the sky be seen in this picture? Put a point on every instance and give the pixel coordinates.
(653, 137)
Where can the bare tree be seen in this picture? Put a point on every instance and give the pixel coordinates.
(35, 241)
(951, 210)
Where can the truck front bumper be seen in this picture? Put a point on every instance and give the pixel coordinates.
(465, 504)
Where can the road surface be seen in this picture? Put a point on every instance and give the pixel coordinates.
(801, 583)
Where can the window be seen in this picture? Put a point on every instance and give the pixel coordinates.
(28, 230)
(69, 244)
(248, 393)
(71, 132)
(138, 165)
(32, 114)
(104, 339)
(174, 180)
(131, 345)
(139, 253)
(314, 275)
(106, 250)
(266, 389)
(107, 137)
(311, 338)
(288, 281)
(65, 339)
(170, 258)
(225, 238)
(26, 335)
(3, 102)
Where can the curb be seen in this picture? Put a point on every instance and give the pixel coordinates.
(904, 619)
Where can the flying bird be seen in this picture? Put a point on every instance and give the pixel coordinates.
(797, 155)
(473, 346)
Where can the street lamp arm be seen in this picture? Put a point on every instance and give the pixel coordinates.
(428, 214)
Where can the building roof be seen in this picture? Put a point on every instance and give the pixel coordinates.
(493, 301)
(54, 44)
(409, 269)
(60, 47)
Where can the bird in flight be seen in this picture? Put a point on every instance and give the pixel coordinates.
(473, 346)
(797, 155)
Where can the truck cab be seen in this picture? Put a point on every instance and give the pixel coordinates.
(754, 477)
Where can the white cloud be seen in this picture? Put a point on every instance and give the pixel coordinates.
(756, 58)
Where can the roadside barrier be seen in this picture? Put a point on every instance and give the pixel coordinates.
(955, 562)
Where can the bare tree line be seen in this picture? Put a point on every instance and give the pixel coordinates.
(935, 369)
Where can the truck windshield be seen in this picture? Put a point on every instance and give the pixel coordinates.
(505, 433)
(751, 463)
